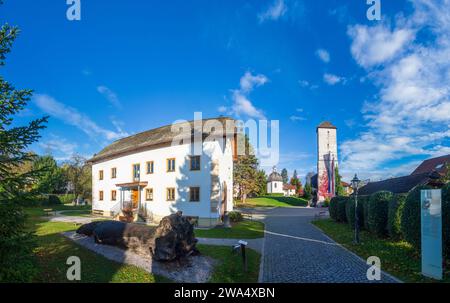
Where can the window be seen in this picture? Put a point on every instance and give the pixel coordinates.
(171, 194)
(113, 173)
(150, 167)
(194, 194)
(149, 194)
(136, 171)
(100, 195)
(275, 185)
(195, 162)
(113, 195)
(100, 175)
(171, 165)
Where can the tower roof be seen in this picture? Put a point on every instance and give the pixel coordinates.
(275, 177)
(326, 124)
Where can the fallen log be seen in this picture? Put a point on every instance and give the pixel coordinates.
(172, 239)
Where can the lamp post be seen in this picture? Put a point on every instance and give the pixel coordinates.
(355, 185)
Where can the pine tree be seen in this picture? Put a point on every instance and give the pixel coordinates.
(338, 183)
(246, 172)
(284, 175)
(16, 259)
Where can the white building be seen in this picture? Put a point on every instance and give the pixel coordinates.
(289, 190)
(146, 177)
(275, 183)
(327, 160)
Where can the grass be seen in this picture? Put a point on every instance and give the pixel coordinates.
(53, 249)
(230, 268)
(397, 257)
(77, 213)
(273, 201)
(39, 210)
(242, 230)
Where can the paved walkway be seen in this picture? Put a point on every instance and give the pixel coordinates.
(295, 251)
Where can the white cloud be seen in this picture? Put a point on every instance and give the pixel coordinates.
(73, 117)
(110, 96)
(323, 55)
(60, 148)
(241, 102)
(295, 118)
(275, 11)
(409, 117)
(375, 45)
(332, 79)
(307, 84)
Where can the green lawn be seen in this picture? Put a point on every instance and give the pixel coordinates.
(230, 267)
(53, 249)
(39, 210)
(397, 257)
(77, 213)
(243, 230)
(273, 201)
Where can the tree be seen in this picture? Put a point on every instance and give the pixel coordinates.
(79, 175)
(246, 172)
(446, 176)
(296, 182)
(307, 193)
(261, 178)
(16, 244)
(340, 191)
(284, 175)
(53, 180)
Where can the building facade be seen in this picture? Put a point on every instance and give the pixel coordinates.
(275, 183)
(146, 177)
(327, 160)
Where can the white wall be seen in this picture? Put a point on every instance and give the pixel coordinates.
(275, 187)
(181, 179)
(327, 142)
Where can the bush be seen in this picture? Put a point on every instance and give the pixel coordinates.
(364, 200)
(53, 200)
(67, 198)
(342, 202)
(235, 216)
(378, 212)
(395, 209)
(16, 245)
(333, 209)
(326, 203)
(410, 223)
(446, 220)
(350, 212)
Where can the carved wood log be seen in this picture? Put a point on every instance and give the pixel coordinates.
(172, 239)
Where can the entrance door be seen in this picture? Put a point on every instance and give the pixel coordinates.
(135, 198)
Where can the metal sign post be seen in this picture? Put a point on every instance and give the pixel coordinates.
(431, 225)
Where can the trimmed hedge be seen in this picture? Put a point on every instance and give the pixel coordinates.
(364, 200)
(395, 209)
(341, 215)
(350, 212)
(446, 219)
(410, 224)
(333, 209)
(378, 212)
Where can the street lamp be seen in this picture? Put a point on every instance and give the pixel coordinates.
(355, 185)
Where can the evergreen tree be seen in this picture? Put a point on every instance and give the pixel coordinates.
(52, 181)
(338, 183)
(246, 172)
(307, 194)
(16, 259)
(284, 175)
(262, 183)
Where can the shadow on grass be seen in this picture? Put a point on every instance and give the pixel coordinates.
(53, 249)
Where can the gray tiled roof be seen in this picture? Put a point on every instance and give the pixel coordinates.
(150, 138)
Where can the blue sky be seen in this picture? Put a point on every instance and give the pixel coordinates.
(129, 66)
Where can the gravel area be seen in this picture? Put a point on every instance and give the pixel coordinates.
(194, 269)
